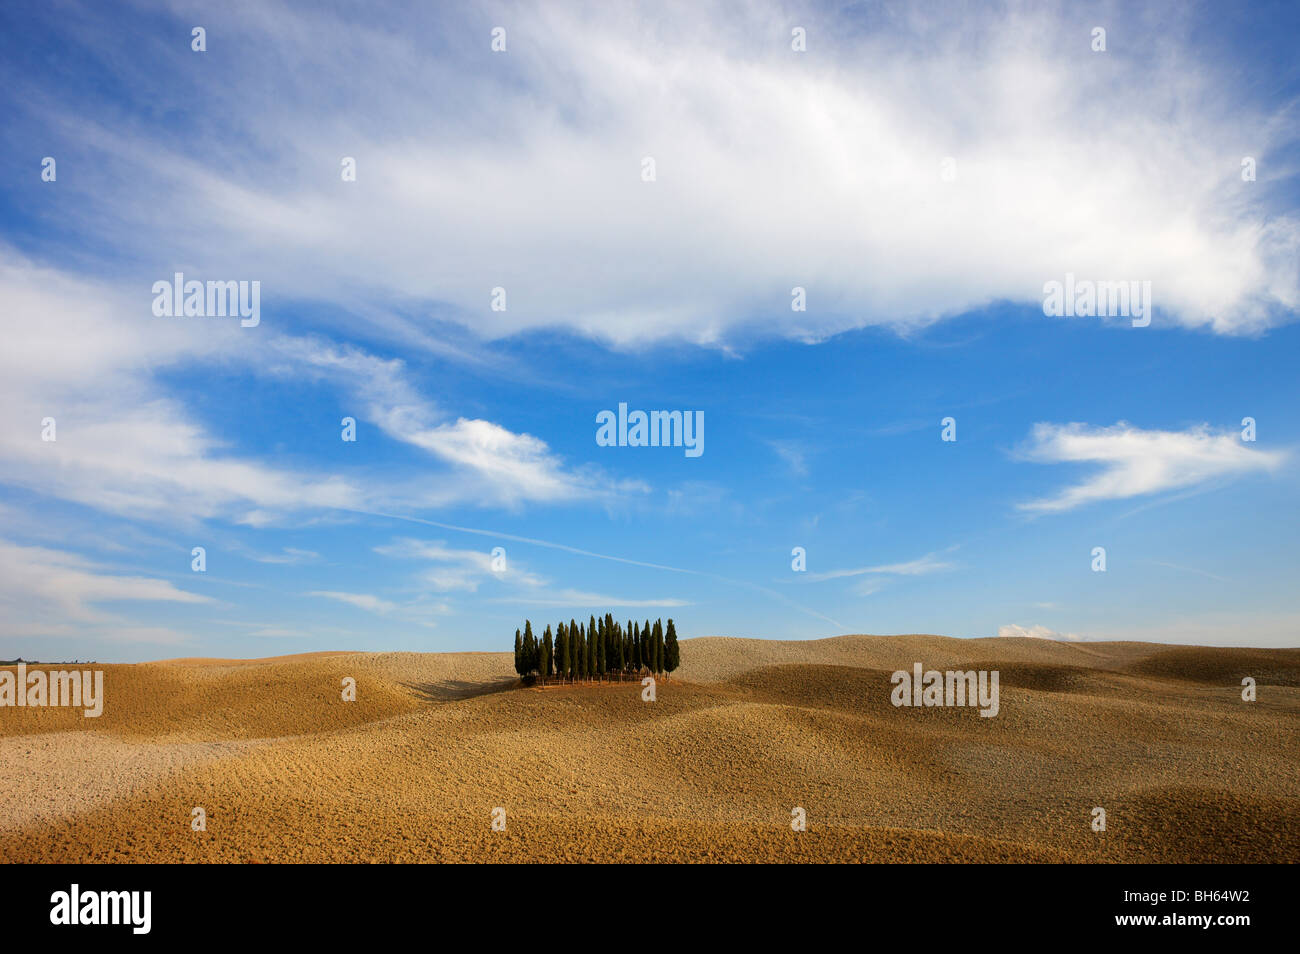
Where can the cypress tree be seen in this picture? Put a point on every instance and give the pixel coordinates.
(657, 646)
(548, 654)
(575, 653)
(607, 642)
(672, 652)
(636, 647)
(519, 653)
(573, 649)
(562, 652)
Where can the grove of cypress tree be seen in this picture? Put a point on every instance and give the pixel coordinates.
(597, 650)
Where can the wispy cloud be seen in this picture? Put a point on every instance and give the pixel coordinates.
(930, 563)
(458, 569)
(1191, 569)
(1137, 462)
(849, 137)
(496, 465)
(145, 455)
(47, 592)
(553, 545)
(580, 598)
(365, 601)
(287, 556)
(794, 454)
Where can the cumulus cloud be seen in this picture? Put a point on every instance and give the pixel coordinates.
(1136, 462)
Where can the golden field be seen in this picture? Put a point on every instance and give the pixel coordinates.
(744, 732)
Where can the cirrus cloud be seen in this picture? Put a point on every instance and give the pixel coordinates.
(1136, 462)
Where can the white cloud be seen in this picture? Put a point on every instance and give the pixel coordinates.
(287, 556)
(869, 587)
(496, 464)
(88, 355)
(1135, 462)
(1231, 628)
(1037, 631)
(581, 598)
(365, 601)
(930, 563)
(775, 169)
(794, 454)
(47, 592)
(457, 569)
(1262, 629)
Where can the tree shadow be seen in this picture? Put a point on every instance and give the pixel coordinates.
(450, 690)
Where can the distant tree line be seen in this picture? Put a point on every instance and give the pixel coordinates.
(599, 651)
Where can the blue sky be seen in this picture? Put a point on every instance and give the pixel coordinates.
(523, 169)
